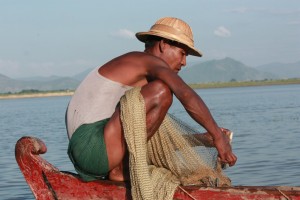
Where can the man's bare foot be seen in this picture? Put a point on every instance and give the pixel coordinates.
(115, 175)
(119, 174)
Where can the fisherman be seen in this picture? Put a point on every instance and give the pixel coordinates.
(97, 146)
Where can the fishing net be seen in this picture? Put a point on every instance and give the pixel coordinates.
(176, 154)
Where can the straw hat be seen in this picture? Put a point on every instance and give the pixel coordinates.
(173, 29)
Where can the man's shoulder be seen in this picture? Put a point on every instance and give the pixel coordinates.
(138, 58)
(135, 53)
(140, 62)
(139, 54)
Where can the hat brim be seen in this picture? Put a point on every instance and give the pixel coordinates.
(143, 37)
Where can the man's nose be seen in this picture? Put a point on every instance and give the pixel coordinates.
(183, 61)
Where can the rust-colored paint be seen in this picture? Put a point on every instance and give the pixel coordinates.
(47, 182)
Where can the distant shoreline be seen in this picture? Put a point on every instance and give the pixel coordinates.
(36, 95)
(245, 83)
(194, 86)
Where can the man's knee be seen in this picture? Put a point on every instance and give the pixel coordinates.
(165, 96)
(158, 93)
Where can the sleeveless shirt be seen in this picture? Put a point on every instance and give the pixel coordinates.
(95, 99)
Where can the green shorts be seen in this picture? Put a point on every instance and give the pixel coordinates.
(87, 151)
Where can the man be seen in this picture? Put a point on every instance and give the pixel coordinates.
(97, 146)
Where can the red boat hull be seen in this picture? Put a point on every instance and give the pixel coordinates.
(47, 182)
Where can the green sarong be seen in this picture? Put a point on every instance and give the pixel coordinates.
(87, 151)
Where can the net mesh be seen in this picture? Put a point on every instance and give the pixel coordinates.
(176, 154)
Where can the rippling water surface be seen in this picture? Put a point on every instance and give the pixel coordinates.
(265, 122)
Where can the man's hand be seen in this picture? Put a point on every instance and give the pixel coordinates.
(222, 143)
(228, 133)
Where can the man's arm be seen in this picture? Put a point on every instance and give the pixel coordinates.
(132, 68)
(197, 109)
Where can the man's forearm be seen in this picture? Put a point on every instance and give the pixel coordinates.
(198, 110)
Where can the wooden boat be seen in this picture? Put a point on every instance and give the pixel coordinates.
(47, 182)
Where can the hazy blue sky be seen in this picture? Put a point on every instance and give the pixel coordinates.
(65, 37)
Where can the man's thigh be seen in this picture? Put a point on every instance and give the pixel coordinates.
(114, 140)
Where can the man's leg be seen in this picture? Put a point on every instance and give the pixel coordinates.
(158, 99)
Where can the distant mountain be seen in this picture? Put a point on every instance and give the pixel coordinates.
(41, 83)
(82, 75)
(12, 85)
(4, 79)
(7, 84)
(39, 78)
(282, 70)
(222, 70)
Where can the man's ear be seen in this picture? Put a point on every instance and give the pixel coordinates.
(162, 45)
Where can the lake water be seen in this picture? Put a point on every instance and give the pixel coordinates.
(265, 122)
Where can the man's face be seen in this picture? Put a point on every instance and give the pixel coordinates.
(175, 55)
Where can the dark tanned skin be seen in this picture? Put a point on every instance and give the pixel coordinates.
(155, 71)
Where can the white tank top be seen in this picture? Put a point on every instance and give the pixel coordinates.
(94, 99)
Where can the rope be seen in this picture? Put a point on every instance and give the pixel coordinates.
(186, 192)
(283, 194)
